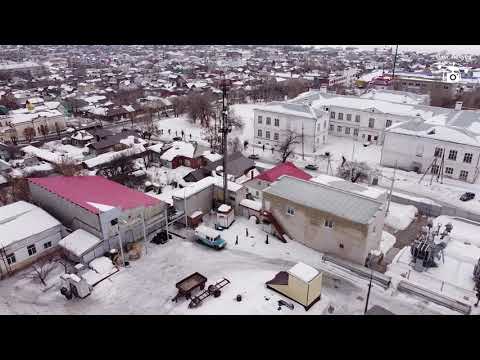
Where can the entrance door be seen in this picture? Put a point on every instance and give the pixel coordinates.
(369, 138)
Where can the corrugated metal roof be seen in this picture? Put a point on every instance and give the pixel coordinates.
(354, 207)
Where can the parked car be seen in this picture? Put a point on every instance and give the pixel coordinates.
(311, 167)
(467, 196)
(209, 237)
(254, 157)
(177, 138)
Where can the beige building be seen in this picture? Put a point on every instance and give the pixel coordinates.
(328, 219)
(301, 283)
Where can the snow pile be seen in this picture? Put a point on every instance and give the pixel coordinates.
(387, 242)
(102, 265)
(400, 216)
(79, 242)
(224, 208)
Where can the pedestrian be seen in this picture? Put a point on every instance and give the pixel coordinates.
(176, 133)
(190, 136)
(236, 240)
(183, 133)
(246, 232)
(169, 131)
(263, 147)
(266, 241)
(272, 149)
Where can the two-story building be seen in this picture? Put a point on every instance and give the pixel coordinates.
(413, 145)
(326, 218)
(273, 121)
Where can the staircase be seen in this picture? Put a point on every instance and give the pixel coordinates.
(282, 235)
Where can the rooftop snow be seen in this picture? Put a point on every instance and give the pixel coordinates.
(79, 242)
(303, 272)
(83, 190)
(21, 220)
(340, 183)
(251, 204)
(179, 148)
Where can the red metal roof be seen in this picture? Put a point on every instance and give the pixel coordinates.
(286, 168)
(82, 190)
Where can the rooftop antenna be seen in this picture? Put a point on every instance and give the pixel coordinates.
(394, 62)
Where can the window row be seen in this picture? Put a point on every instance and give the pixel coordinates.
(449, 171)
(340, 116)
(276, 136)
(327, 222)
(268, 121)
(452, 155)
(31, 249)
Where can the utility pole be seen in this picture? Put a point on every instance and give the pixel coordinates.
(303, 143)
(368, 293)
(394, 63)
(224, 131)
(391, 188)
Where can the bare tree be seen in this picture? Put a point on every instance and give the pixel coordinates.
(41, 269)
(57, 128)
(44, 130)
(235, 119)
(67, 167)
(354, 171)
(287, 145)
(199, 107)
(179, 105)
(29, 133)
(20, 189)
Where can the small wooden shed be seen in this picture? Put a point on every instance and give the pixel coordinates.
(302, 283)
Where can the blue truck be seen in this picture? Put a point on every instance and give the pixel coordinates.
(209, 237)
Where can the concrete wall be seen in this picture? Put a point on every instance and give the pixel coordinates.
(346, 239)
(314, 288)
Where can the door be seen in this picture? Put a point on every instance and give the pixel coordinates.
(369, 137)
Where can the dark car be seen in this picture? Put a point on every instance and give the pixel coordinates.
(254, 157)
(177, 138)
(467, 196)
(311, 167)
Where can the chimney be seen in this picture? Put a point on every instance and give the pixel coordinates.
(458, 105)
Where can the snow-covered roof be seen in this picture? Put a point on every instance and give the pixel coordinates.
(94, 98)
(303, 272)
(208, 231)
(43, 154)
(111, 155)
(288, 109)
(224, 208)
(156, 148)
(211, 156)
(79, 242)
(251, 204)
(18, 65)
(102, 265)
(179, 148)
(21, 220)
(339, 183)
(82, 135)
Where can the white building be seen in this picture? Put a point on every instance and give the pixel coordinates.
(26, 232)
(413, 145)
(273, 121)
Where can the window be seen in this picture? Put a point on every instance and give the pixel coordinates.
(404, 83)
(434, 169)
(452, 155)
(371, 123)
(329, 223)
(388, 123)
(332, 115)
(269, 121)
(446, 87)
(259, 119)
(417, 84)
(11, 259)
(375, 138)
(32, 250)
(449, 170)
(232, 198)
(275, 136)
(349, 117)
(467, 158)
(438, 152)
(267, 134)
(357, 118)
(290, 211)
(340, 116)
(277, 122)
(347, 131)
(47, 245)
(355, 132)
(331, 127)
(339, 129)
(410, 84)
(259, 133)
(463, 175)
(341, 246)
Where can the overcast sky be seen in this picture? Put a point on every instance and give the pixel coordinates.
(453, 49)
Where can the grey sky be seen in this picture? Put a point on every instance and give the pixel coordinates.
(453, 49)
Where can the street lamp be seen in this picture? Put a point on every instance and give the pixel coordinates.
(369, 286)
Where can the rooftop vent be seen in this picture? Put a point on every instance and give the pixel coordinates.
(431, 132)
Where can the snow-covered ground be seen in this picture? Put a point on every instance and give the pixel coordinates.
(464, 230)
(148, 285)
(400, 216)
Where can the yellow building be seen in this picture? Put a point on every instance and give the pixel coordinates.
(301, 283)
